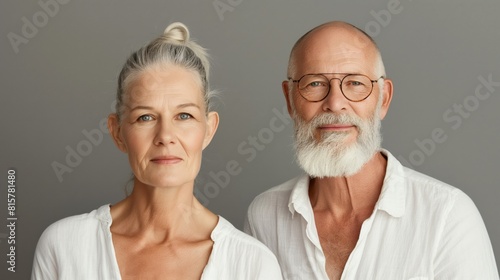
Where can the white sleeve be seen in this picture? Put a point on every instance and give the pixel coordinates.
(465, 250)
(44, 263)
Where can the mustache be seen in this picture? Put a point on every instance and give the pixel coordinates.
(303, 128)
(329, 118)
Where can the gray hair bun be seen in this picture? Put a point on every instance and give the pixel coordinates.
(176, 32)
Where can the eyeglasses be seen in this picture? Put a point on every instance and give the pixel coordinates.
(316, 87)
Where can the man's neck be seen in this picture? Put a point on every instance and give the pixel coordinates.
(353, 195)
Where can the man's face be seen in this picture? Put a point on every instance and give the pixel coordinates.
(335, 134)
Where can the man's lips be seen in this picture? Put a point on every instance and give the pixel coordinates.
(166, 159)
(336, 127)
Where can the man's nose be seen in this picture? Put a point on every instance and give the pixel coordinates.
(335, 101)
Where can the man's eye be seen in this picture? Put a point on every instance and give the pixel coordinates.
(145, 118)
(184, 116)
(315, 84)
(355, 83)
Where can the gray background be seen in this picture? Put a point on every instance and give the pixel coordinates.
(62, 83)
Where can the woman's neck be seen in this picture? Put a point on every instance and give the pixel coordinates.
(162, 214)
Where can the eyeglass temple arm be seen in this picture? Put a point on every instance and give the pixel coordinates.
(375, 81)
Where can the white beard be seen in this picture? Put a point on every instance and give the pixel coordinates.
(331, 156)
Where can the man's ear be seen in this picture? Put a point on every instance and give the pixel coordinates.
(285, 87)
(114, 130)
(386, 98)
(212, 124)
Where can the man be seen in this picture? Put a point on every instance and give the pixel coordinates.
(358, 213)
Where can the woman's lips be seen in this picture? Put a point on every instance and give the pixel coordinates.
(166, 159)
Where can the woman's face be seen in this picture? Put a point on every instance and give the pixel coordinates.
(164, 126)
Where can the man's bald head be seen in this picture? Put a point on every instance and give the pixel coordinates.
(349, 36)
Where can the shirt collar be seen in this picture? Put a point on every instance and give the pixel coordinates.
(299, 197)
(391, 199)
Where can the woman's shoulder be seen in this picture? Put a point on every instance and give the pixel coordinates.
(234, 238)
(77, 225)
(68, 245)
(249, 258)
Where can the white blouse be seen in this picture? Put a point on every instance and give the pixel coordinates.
(81, 247)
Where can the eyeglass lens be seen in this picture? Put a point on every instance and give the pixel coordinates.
(315, 87)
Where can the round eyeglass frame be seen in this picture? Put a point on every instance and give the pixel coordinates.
(340, 84)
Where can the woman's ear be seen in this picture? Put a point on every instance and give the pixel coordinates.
(212, 124)
(114, 129)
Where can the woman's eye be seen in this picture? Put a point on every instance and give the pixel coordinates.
(145, 118)
(184, 116)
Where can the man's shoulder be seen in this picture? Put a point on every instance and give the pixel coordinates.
(277, 193)
(415, 181)
(417, 189)
(423, 182)
(436, 194)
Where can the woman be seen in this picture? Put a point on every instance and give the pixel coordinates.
(160, 231)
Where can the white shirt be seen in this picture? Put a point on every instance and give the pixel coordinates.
(81, 247)
(420, 228)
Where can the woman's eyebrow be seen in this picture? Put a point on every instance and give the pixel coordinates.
(183, 105)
